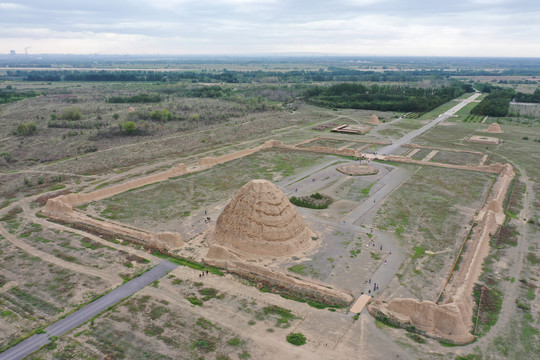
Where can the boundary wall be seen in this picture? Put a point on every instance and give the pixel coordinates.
(451, 320)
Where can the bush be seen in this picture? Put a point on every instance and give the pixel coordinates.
(163, 115)
(71, 114)
(297, 339)
(129, 127)
(195, 300)
(140, 98)
(234, 342)
(204, 345)
(26, 129)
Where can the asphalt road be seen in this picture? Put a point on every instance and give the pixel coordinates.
(84, 314)
(391, 181)
(388, 150)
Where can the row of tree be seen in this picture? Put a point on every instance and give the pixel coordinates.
(497, 103)
(385, 97)
(332, 74)
(529, 98)
(8, 95)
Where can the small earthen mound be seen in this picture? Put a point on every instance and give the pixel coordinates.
(356, 170)
(483, 140)
(167, 240)
(260, 221)
(494, 128)
(374, 120)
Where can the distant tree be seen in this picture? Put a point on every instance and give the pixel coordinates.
(26, 129)
(72, 114)
(129, 127)
(163, 115)
(116, 116)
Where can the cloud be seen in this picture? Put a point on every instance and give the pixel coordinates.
(380, 27)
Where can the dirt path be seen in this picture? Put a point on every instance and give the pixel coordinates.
(113, 279)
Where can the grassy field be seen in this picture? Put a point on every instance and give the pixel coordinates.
(171, 201)
(438, 111)
(148, 328)
(419, 155)
(457, 158)
(38, 292)
(332, 143)
(431, 212)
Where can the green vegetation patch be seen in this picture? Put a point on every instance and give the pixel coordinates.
(159, 203)
(313, 201)
(285, 316)
(384, 97)
(488, 305)
(9, 95)
(297, 339)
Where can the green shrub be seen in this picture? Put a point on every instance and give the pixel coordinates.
(194, 300)
(297, 339)
(26, 129)
(204, 345)
(71, 114)
(129, 127)
(234, 341)
(419, 339)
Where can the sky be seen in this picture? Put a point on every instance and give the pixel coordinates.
(507, 28)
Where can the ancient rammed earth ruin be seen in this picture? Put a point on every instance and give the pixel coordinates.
(260, 222)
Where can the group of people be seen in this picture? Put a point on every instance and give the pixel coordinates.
(375, 287)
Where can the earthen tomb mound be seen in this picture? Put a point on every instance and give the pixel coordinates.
(260, 221)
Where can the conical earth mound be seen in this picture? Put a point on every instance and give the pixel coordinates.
(494, 128)
(374, 120)
(260, 220)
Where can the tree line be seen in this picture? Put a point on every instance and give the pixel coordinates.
(332, 74)
(497, 103)
(529, 98)
(384, 97)
(8, 95)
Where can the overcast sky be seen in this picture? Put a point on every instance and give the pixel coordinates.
(356, 27)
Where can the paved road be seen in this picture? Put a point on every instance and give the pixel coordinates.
(387, 150)
(84, 314)
(391, 181)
